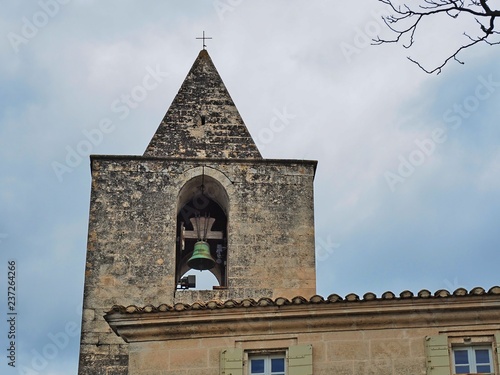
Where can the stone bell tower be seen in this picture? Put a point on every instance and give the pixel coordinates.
(201, 196)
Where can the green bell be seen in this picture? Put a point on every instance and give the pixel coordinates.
(201, 258)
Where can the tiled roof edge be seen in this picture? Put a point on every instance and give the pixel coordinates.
(316, 299)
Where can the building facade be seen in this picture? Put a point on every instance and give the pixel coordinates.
(435, 334)
(202, 197)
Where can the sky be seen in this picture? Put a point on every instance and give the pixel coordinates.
(408, 179)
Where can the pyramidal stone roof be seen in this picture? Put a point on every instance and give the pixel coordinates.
(202, 121)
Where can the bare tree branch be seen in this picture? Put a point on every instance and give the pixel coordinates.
(406, 19)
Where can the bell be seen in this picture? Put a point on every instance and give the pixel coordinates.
(201, 258)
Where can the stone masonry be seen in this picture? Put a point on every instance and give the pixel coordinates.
(203, 121)
(135, 200)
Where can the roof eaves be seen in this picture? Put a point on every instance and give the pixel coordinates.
(299, 300)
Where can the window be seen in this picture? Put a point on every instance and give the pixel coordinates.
(475, 360)
(295, 360)
(267, 364)
(463, 354)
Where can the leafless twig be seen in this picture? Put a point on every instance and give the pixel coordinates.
(405, 20)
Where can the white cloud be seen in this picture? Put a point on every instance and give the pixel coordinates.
(355, 116)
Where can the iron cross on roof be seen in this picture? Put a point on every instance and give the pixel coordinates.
(204, 38)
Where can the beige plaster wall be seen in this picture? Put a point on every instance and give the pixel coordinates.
(378, 352)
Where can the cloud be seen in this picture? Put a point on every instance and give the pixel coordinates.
(357, 114)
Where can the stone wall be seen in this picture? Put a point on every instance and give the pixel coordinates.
(132, 236)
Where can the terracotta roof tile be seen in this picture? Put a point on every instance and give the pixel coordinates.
(406, 294)
(424, 293)
(299, 300)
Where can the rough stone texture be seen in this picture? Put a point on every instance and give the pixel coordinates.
(133, 218)
(132, 236)
(131, 251)
(203, 121)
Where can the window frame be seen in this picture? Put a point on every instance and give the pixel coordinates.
(471, 358)
(267, 356)
(298, 359)
(439, 350)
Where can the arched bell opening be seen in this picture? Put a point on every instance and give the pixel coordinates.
(202, 230)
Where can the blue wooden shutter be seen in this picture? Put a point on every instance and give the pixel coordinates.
(300, 360)
(438, 356)
(231, 362)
